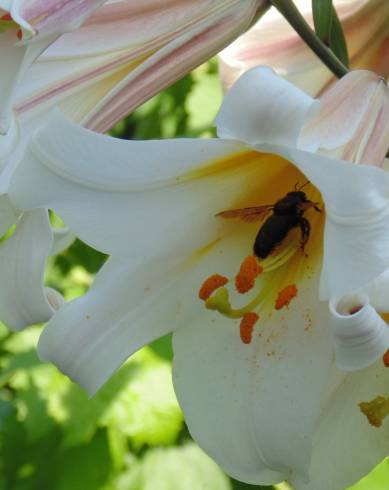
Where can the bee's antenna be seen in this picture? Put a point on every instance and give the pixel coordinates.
(295, 186)
(306, 183)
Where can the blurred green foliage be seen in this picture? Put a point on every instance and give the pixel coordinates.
(131, 434)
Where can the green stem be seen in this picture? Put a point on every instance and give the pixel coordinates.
(288, 9)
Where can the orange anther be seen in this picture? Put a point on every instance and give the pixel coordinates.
(211, 284)
(6, 17)
(247, 326)
(249, 271)
(19, 34)
(285, 296)
(385, 358)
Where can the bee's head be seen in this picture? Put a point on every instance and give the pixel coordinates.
(297, 196)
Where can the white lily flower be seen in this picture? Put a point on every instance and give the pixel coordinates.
(27, 28)
(255, 377)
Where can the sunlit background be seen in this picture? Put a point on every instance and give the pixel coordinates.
(131, 435)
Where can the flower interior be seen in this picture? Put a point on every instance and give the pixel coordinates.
(264, 285)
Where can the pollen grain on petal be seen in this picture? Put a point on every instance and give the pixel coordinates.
(211, 284)
(385, 358)
(375, 410)
(249, 271)
(285, 296)
(247, 326)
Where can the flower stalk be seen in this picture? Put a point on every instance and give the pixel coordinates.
(299, 24)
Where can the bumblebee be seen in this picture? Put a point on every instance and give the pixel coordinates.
(287, 213)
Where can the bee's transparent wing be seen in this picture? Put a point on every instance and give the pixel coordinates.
(249, 215)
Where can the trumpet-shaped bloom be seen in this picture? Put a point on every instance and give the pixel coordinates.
(127, 51)
(253, 345)
(272, 41)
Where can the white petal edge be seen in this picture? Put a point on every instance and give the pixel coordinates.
(262, 107)
(129, 305)
(23, 299)
(62, 239)
(359, 334)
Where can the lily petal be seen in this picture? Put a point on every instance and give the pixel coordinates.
(215, 373)
(62, 239)
(129, 305)
(112, 194)
(360, 335)
(37, 23)
(360, 131)
(132, 51)
(263, 107)
(23, 300)
(340, 461)
(39, 18)
(377, 292)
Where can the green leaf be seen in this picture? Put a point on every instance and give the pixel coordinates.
(338, 41)
(181, 468)
(329, 28)
(84, 467)
(323, 11)
(378, 479)
(138, 401)
(203, 103)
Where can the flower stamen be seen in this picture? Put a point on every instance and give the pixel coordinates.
(285, 296)
(247, 326)
(250, 269)
(211, 284)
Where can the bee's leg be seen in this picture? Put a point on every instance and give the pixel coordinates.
(305, 228)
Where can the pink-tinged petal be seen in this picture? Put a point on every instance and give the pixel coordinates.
(11, 56)
(23, 299)
(154, 47)
(42, 18)
(272, 41)
(170, 63)
(353, 120)
(37, 23)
